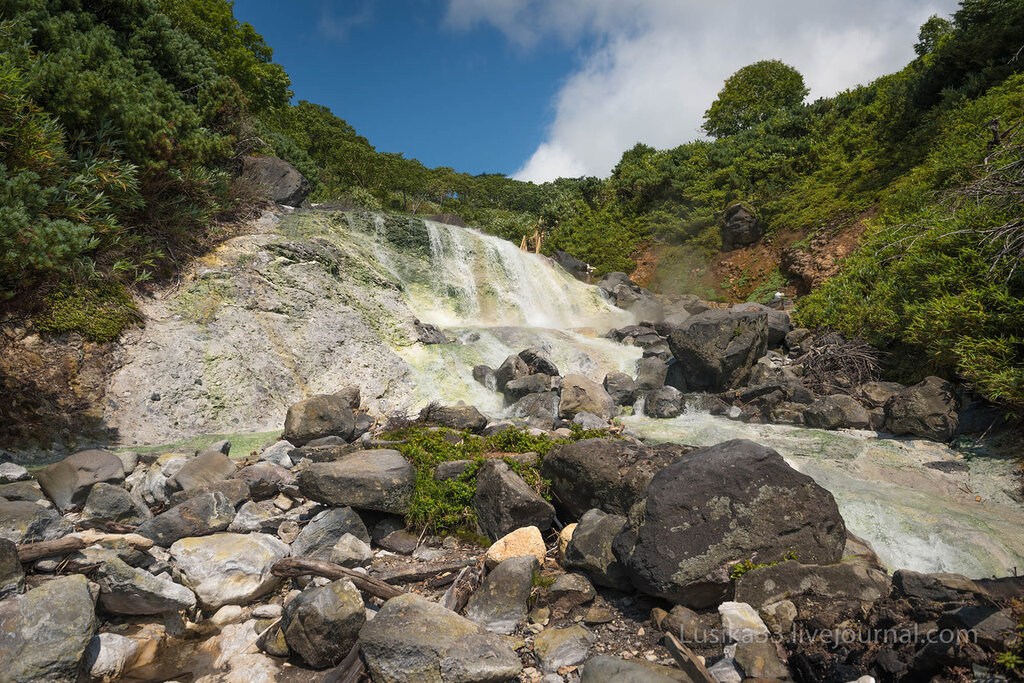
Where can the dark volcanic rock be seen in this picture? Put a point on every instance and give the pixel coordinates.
(504, 502)
(500, 603)
(531, 384)
(720, 505)
(590, 549)
(108, 503)
(572, 265)
(928, 410)
(460, 417)
(318, 537)
(741, 228)
(279, 180)
(12, 576)
(322, 624)
(621, 388)
(319, 416)
(379, 480)
(836, 411)
(581, 395)
(538, 362)
(666, 402)
(199, 516)
(716, 349)
(25, 522)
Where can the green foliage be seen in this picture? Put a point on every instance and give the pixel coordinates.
(741, 568)
(100, 311)
(447, 506)
(752, 95)
(1011, 660)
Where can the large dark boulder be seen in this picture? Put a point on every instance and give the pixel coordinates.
(511, 368)
(318, 537)
(44, 633)
(321, 624)
(280, 181)
(531, 384)
(779, 323)
(319, 416)
(621, 388)
(609, 474)
(716, 349)
(837, 411)
(460, 417)
(504, 502)
(108, 503)
(572, 265)
(500, 603)
(581, 395)
(929, 410)
(204, 469)
(538, 362)
(650, 374)
(741, 228)
(721, 505)
(590, 549)
(377, 480)
(199, 516)
(666, 402)
(69, 481)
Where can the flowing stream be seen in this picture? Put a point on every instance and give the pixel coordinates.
(497, 300)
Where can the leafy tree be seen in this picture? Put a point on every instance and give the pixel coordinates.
(932, 32)
(752, 95)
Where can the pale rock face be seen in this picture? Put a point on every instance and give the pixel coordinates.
(227, 568)
(109, 655)
(519, 543)
(741, 623)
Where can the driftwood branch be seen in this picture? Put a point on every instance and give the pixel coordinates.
(30, 552)
(456, 597)
(349, 670)
(411, 573)
(687, 661)
(301, 566)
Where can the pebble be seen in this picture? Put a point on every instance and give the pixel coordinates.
(271, 611)
(228, 614)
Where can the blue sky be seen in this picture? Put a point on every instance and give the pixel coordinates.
(540, 89)
(409, 83)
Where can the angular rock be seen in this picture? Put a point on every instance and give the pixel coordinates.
(876, 394)
(351, 552)
(741, 227)
(108, 503)
(602, 473)
(837, 411)
(760, 660)
(523, 542)
(608, 669)
(24, 522)
(621, 388)
(720, 505)
(459, 417)
(512, 368)
(322, 624)
(539, 409)
(531, 384)
(504, 502)
(500, 603)
(12, 576)
(590, 549)
(558, 647)
(69, 481)
(23, 490)
(717, 349)
(199, 516)
(277, 453)
(741, 622)
(538, 362)
(228, 569)
(319, 416)
(484, 374)
(650, 374)
(127, 590)
(265, 479)
(11, 472)
(568, 591)
(572, 265)
(276, 178)
(235, 490)
(779, 324)
(939, 587)
(580, 395)
(845, 581)
(109, 655)
(589, 421)
(667, 402)
(929, 410)
(257, 516)
(323, 531)
(45, 632)
(412, 640)
(204, 469)
(380, 480)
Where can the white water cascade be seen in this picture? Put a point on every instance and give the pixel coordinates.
(497, 300)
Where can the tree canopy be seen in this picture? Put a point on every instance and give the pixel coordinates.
(752, 95)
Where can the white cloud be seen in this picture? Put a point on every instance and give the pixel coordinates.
(658, 64)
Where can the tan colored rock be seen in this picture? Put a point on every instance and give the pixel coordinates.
(563, 541)
(519, 543)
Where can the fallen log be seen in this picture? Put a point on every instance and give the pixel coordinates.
(349, 670)
(29, 552)
(456, 597)
(687, 661)
(411, 573)
(301, 566)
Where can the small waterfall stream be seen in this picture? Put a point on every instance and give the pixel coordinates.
(497, 300)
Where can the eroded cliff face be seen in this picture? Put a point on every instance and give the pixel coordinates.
(293, 309)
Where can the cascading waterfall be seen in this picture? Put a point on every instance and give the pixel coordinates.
(497, 300)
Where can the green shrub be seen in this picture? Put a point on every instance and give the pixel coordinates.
(100, 311)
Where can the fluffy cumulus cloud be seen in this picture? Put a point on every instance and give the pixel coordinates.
(650, 68)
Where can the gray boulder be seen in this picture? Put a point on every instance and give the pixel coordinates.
(484, 374)
(837, 411)
(581, 395)
(45, 632)
(265, 479)
(379, 480)
(572, 265)
(412, 639)
(666, 402)
(929, 410)
(779, 324)
(608, 669)
(511, 368)
(25, 522)
(560, 647)
(720, 505)
(12, 576)
(538, 362)
(319, 416)
(834, 583)
(609, 474)
(277, 179)
(202, 470)
(228, 569)
(69, 481)
(590, 549)
(531, 384)
(460, 417)
(257, 516)
(500, 603)
(716, 349)
(351, 552)
(199, 516)
(504, 502)
(108, 503)
(127, 590)
(877, 394)
(540, 410)
(609, 282)
(621, 388)
(650, 374)
(321, 625)
(11, 472)
(323, 531)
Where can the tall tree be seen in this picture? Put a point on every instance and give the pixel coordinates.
(752, 95)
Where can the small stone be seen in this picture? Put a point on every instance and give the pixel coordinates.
(11, 472)
(741, 623)
(563, 541)
(269, 611)
(228, 614)
(109, 655)
(351, 552)
(501, 601)
(559, 647)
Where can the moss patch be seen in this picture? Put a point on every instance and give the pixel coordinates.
(100, 311)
